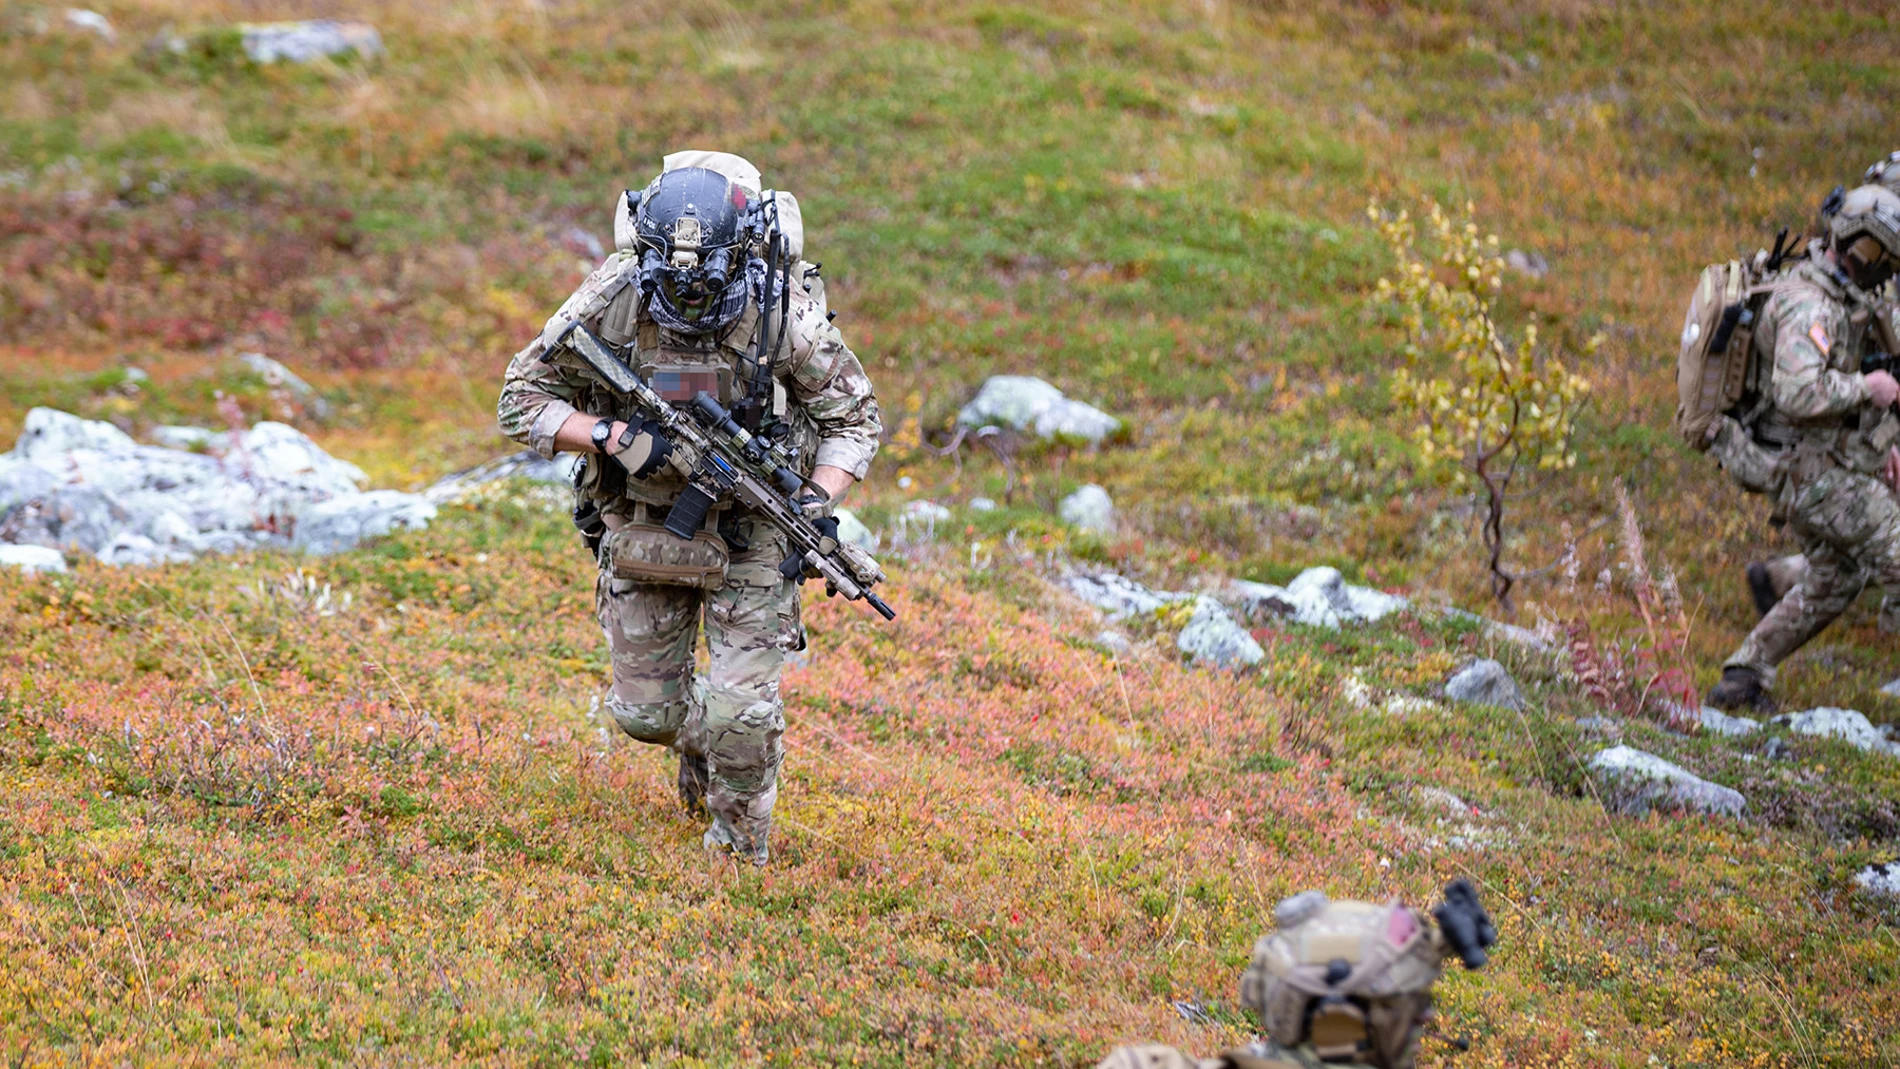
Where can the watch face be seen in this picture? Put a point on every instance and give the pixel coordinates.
(602, 431)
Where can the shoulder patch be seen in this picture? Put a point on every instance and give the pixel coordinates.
(1818, 335)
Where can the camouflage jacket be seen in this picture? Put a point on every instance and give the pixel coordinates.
(821, 392)
(1816, 327)
(1261, 1054)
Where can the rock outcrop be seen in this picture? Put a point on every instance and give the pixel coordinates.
(1846, 725)
(1484, 682)
(81, 486)
(1317, 597)
(1212, 638)
(1089, 509)
(1637, 782)
(1026, 403)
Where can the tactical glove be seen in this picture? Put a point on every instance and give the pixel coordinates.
(641, 450)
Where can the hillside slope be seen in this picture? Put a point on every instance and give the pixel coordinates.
(247, 821)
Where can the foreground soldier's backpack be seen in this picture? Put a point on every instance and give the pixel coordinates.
(1719, 366)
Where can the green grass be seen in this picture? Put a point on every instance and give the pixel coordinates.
(1160, 208)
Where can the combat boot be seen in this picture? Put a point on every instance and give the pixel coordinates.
(1741, 688)
(692, 782)
(744, 848)
(1761, 585)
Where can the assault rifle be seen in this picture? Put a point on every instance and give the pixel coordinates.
(723, 461)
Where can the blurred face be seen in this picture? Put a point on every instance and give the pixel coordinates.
(1867, 262)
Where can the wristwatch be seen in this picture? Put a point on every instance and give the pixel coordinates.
(602, 431)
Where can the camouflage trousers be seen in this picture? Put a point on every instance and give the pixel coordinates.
(1849, 528)
(733, 718)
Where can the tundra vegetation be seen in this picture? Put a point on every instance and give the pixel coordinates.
(358, 808)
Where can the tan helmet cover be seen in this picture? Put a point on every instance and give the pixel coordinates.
(1391, 955)
(1871, 211)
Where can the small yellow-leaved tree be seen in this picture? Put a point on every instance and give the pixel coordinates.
(1490, 407)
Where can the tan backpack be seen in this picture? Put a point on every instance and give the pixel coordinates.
(1719, 365)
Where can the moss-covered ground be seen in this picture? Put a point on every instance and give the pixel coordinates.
(244, 823)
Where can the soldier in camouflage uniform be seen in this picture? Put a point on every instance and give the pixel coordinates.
(682, 299)
(1341, 985)
(1770, 581)
(1841, 464)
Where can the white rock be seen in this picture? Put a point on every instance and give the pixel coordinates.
(1891, 690)
(1024, 402)
(283, 454)
(1484, 682)
(32, 558)
(1116, 643)
(1317, 597)
(168, 528)
(81, 519)
(1089, 509)
(1118, 596)
(526, 464)
(139, 551)
(83, 485)
(1371, 606)
(22, 481)
(1882, 879)
(1716, 722)
(176, 437)
(852, 530)
(1212, 638)
(49, 435)
(982, 504)
(928, 512)
(276, 374)
(1512, 633)
(1847, 725)
(80, 18)
(1527, 263)
(301, 42)
(340, 523)
(1442, 800)
(1644, 781)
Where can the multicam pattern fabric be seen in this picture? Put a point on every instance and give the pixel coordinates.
(822, 377)
(733, 718)
(736, 722)
(1838, 506)
(1848, 524)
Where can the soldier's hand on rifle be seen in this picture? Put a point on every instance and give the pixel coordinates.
(641, 449)
(1882, 388)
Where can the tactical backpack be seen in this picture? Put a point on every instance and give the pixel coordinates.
(1719, 367)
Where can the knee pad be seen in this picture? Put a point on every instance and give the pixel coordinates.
(654, 722)
(743, 743)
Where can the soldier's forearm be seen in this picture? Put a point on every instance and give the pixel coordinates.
(577, 434)
(836, 481)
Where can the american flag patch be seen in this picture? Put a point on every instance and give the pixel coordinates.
(1818, 335)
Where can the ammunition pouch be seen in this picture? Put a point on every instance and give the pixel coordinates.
(649, 553)
(1754, 466)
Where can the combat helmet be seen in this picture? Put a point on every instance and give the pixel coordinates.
(1352, 980)
(691, 227)
(1865, 234)
(1884, 172)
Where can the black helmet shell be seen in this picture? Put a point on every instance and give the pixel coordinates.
(710, 198)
